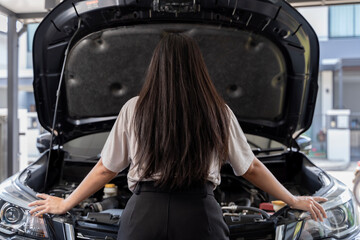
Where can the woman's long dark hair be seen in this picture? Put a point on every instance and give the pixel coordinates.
(180, 119)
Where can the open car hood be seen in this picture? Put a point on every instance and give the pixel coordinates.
(262, 56)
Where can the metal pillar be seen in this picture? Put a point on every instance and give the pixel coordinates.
(13, 82)
(340, 90)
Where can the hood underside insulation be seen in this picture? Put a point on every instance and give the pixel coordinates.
(107, 68)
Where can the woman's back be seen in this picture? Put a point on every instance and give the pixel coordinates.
(180, 119)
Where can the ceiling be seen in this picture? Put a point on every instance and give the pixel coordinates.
(27, 10)
(37, 9)
(24, 6)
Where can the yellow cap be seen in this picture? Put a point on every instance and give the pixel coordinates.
(110, 185)
(278, 202)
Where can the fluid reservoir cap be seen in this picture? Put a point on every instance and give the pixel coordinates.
(278, 204)
(110, 190)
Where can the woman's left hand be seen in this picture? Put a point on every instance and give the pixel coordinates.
(93, 182)
(310, 204)
(49, 204)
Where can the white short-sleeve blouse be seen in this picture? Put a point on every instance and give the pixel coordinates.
(120, 148)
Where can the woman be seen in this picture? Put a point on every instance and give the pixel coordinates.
(175, 136)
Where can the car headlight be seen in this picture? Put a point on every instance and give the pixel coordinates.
(15, 219)
(342, 219)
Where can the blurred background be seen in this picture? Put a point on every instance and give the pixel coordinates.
(335, 132)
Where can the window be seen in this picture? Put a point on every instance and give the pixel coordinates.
(3, 44)
(344, 21)
(31, 31)
(3, 97)
(31, 28)
(357, 20)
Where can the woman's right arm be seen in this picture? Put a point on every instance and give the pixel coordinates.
(261, 177)
(93, 182)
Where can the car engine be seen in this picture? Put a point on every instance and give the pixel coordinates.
(247, 210)
(243, 205)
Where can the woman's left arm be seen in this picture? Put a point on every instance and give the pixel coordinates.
(261, 177)
(93, 182)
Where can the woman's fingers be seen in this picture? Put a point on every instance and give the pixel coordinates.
(323, 213)
(36, 203)
(311, 211)
(320, 199)
(317, 212)
(311, 205)
(42, 195)
(50, 204)
(37, 209)
(320, 211)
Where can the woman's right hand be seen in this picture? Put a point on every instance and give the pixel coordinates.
(310, 204)
(48, 204)
(261, 177)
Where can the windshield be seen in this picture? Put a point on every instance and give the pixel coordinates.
(264, 146)
(86, 147)
(90, 146)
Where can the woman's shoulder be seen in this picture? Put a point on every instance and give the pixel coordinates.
(230, 112)
(132, 101)
(127, 110)
(130, 104)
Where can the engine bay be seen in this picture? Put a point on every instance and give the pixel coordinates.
(247, 210)
(244, 205)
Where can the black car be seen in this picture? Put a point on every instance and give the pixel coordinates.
(90, 57)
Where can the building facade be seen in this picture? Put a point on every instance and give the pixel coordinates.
(338, 30)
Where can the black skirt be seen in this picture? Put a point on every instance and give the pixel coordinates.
(161, 214)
